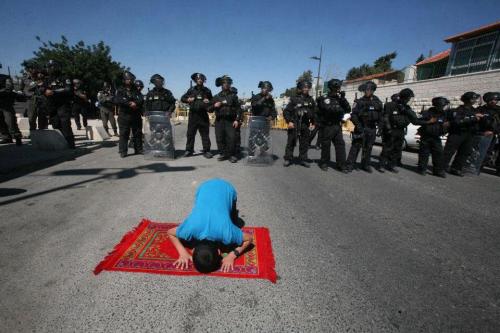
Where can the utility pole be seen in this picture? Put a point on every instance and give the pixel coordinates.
(319, 68)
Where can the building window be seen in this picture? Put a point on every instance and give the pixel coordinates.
(472, 55)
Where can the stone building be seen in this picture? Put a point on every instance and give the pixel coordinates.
(472, 64)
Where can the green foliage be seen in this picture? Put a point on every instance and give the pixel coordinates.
(380, 65)
(90, 63)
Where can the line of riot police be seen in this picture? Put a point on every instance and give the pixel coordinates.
(471, 132)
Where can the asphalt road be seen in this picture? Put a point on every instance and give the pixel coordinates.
(354, 253)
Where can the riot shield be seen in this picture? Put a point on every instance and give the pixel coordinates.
(158, 136)
(258, 141)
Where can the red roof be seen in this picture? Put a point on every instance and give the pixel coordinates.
(435, 58)
(479, 31)
(370, 77)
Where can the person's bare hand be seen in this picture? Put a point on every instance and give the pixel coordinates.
(488, 133)
(227, 263)
(236, 124)
(190, 99)
(218, 104)
(205, 100)
(183, 261)
(132, 105)
(291, 125)
(49, 92)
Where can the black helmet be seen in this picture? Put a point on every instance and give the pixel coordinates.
(406, 94)
(469, 96)
(334, 84)
(128, 76)
(266, 85)
(196, 76)
(395, 98)
(489, 96)
(234, 90)
(223, 79)
(139, 84)
(369, 85)
(304, 84)
(156, 77)
(440, 102)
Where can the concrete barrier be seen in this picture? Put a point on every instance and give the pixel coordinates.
(96, 133)
(48, 140)
(24, 126)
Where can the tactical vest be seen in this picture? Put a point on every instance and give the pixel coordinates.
(370, 112)
(331, 110)
(398, 117)
(159, 100)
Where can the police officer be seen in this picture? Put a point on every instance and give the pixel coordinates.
(37, 109)
(430, 137)
(486, 128)
(198, 98)
(331, 111)
(80, 104)
(463, 122)
(300, 115)
(8, 97)
(227, 118)
(159, 98)
(382, 132)
(106, 107)
(60, 94)
(129, 102)
(263, 103)
(237, 140)
(397, 117)
(366, 116)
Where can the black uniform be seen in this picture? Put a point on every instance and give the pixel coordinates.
(8, 98)
(430, 141)
(366, 116)
(37, 109)
(198, 117)
(159, 99)
(331, 111)
(461, 133)
(225, 115)
(301, 111)
(59, 107)
(80, 107)
(397, 116)
(106, 107)
(129, 120)
(262, 106)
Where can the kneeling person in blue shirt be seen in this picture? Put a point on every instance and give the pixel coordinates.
(211, 226)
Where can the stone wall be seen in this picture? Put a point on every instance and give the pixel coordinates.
(451, 87)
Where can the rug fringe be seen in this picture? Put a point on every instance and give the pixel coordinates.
(269, 256)
(124, 244)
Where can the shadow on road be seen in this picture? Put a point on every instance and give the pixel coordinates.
(103, 173)
(20, 161)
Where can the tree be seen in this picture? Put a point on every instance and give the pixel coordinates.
(90, 63)
(306, 75)
(380, 65)
(420, 58)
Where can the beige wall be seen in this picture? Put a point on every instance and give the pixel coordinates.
(451, 87)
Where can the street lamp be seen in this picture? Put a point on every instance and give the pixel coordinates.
(319, 68)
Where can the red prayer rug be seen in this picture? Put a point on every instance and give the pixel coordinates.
(148, 249)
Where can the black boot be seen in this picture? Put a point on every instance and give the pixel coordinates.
(19, 142)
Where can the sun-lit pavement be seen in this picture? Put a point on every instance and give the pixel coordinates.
(357, 252)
